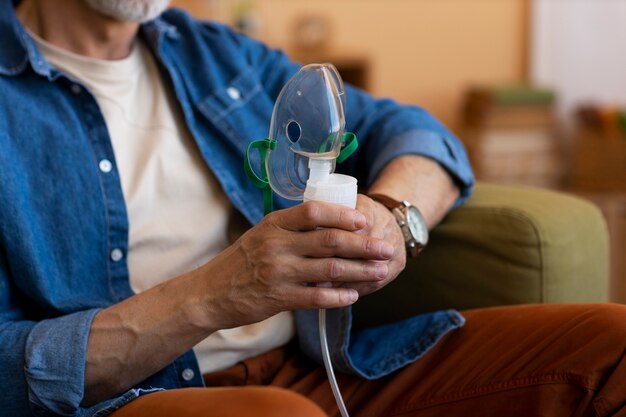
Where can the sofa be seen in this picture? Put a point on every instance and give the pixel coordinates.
(506, 245)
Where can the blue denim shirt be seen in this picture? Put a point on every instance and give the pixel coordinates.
(61, 217)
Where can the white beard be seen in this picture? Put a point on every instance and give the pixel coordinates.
(129, 10)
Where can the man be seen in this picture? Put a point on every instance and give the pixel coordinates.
(121, 145)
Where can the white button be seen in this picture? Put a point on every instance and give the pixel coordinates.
(233, 93)
(75, 88)
(105, 166)
(116, 255)
(188, 374)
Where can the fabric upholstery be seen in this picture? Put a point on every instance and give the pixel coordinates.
(506, 245)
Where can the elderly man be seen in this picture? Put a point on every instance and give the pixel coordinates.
(122, 134)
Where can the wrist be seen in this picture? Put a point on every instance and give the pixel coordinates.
(421, 181)
(209, 293)
(410, 221)
(195, 303)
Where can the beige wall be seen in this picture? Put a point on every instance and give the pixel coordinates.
(421, 51)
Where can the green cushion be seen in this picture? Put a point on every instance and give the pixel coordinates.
(506, 245)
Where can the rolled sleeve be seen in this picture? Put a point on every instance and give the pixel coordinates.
(387, 130)
(107, 407)
(55, 357)
(433, 145)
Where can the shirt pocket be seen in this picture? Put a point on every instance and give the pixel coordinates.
(241, 109)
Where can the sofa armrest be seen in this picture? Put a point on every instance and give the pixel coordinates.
(506, 245)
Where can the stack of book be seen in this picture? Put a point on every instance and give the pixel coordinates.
(510, 133)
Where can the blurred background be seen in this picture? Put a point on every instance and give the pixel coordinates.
(536, 89)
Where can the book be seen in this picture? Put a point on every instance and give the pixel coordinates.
(516, 156)
(510, 117)
(508, 107)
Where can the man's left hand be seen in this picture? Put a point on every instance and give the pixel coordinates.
(383, 225)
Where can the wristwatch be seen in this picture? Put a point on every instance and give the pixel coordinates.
(409, 219)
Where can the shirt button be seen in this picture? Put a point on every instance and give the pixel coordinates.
(233, 93)
(172, 32)
(105, 166)
(188, 374)
(117, 255)
(75, 88)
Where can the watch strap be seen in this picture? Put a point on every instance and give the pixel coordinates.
(399, 210)
(386, 201)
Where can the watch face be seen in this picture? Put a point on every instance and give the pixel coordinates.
(418, 227)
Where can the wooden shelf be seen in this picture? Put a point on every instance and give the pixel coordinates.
(598, 163)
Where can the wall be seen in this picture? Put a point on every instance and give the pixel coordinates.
(578, 47)
(420, 51)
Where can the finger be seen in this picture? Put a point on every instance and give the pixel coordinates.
(336, 270)
(304, 298)
(326, 243)
(365, 288)
(313, 215)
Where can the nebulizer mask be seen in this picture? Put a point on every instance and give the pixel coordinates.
(306, 140)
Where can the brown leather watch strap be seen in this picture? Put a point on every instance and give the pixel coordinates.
(386, 201)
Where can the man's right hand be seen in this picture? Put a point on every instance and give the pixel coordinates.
(296, 258)
(268, 270)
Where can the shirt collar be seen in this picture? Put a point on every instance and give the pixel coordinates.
(18, 49)
(13, 53)
(155, 29)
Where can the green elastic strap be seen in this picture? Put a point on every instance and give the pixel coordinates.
(350, 144)
(261, 182)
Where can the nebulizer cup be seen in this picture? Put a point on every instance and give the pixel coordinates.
(306, 139)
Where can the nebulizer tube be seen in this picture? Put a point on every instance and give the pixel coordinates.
(325, 186)
(298, 159)
(329, 366)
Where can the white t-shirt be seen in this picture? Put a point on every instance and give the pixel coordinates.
(178, 213)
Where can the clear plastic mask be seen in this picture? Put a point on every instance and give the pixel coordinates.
(308, 122)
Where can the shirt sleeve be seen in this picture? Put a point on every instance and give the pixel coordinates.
(385, 128)
(42, 362)
(55, 357)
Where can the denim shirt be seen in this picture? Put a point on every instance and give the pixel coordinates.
(63, 221)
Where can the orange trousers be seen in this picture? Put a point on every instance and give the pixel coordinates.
(540, 360)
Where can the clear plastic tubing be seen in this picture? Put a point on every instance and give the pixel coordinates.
(337, 189)
(329, 366)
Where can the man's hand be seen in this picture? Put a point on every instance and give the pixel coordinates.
(381, 224)
(277, 265)
(271, 268)
(308, 256)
